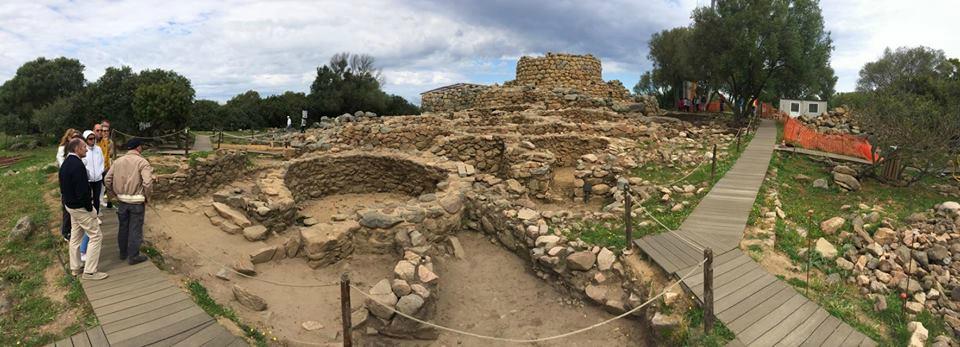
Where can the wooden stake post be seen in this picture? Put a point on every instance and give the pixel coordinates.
(627, 218)
(708, 317)
(713, 165)
(345, 309)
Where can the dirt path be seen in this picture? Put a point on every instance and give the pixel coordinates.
(493, 292)
(347, 204)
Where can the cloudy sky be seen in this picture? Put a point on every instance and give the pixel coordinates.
(227, 47)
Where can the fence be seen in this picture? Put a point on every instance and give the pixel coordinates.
(797, 134)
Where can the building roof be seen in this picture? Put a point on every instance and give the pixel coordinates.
(452, 86)
(807, 100)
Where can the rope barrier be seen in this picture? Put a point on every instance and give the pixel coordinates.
(541, 339)
(230, 269)
(675, 232)
(178, 132)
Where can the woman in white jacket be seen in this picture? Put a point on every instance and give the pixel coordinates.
(94, 163)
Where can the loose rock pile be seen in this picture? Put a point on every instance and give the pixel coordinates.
(919, 258)
(837, 121)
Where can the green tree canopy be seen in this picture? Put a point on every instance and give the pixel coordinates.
(163, 99)
(36, 84)
(350, 83)
(749, 46)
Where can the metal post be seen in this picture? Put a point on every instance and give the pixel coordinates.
(713, 166)
(627, 216)
(345, 309)
(708, 317)
(738, 141)
(806, 289)
(219, 138)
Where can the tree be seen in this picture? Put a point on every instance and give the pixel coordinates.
(207, 115)
(163, 99)
(244, 111)
(55, 117)
(350, 83)
(36, 84)
(672, 53)
(747, 45)
(111, 97)
(912, 107)
(276, 108)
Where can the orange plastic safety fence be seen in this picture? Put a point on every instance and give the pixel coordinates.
(797, 134)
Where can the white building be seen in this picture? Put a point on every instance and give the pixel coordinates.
(796, 108)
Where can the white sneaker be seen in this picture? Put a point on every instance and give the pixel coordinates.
(99, 221)
(103, 203)
(83, 257)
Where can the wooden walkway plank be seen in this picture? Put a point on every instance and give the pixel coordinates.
(205, 335)
(800, 333)
(172, 340)
(159, 329)
(821, 333)
(753, 292)
(97, 336)
(143, 308)
(761, 310)
(792, 321)
(224, 339)
(774, 318)
(123, 305)
(80, 339)
(66, 342)
(147, 317)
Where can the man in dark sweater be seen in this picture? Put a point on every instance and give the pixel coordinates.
(78, 199)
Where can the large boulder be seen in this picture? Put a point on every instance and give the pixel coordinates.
(379, 220)
(410, 304)
(383, 300)
(918, 334)
(830, 226)
(248, 299)
(232, 215)
(846, 182)
(326, 243)
(825, 248)
(885, 236)
(255, 233)
(582, 261)
(22, 230)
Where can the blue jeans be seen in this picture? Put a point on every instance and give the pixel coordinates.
(83, 243)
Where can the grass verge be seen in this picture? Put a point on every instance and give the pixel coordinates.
(34, 318)
(203, 299)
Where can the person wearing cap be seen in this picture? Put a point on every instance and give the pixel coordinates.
(78, 200)
(130, 180)
(93, 161)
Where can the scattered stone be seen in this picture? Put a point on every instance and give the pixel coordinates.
(605, 259)
(379, 220)
(830, 226)
(457, 248)
(582, 261)
(821, 183)
(230, 228)
(314, 325)
(248, 299)
(885, 236)
(383, 300)
(234, 216)
(425, 274)
(405, 270)
(22, 230)
(880, 303)
(310, 221)
(844, 264)
(918, 334)
(661, 322)
(410, 304)
(825, 248)
(914, 307)
(846, 182)
(596, 293)
(452, 203)
(223, 274)
(263, 255)
(422, 291)
(245, 266)
(255, 233)
(401, 287)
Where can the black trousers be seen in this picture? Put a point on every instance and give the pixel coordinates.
(97, 188)
(65, 222)
(130, 235)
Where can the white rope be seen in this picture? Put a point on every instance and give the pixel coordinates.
(228, 268)
(178, 132)
(675, 232)
(541, 339)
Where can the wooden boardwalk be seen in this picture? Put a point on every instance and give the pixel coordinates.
(760, 309)
(139, 305)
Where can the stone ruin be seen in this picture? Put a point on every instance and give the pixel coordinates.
(552, 81)
(489, 168)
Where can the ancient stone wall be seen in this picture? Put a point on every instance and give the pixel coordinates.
(203, 175)
(372, 134)
(485, 153)
(323, 175)
(452, 98)
(569, 148)
(590, 272)
(557, 70)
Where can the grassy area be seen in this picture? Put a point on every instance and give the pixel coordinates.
(23, 263)
(203, 299)
(699, 177)
(690, 332)
(610, 233)
(805, 207)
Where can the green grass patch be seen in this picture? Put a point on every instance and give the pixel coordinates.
(203, 299)
(692, 333)
(196, 156)
(24, 262)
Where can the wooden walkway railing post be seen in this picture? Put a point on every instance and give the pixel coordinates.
(627, 217)
(738, 141)
(345, 309)
(708, 316)
(713, 165)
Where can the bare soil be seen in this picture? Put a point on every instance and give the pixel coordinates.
(562, 189)
(288, 307)
(494, 292)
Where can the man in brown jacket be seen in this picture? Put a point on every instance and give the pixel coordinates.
(129, 180)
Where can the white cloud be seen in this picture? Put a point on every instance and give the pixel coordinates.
(861, 29)
(227, 47)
